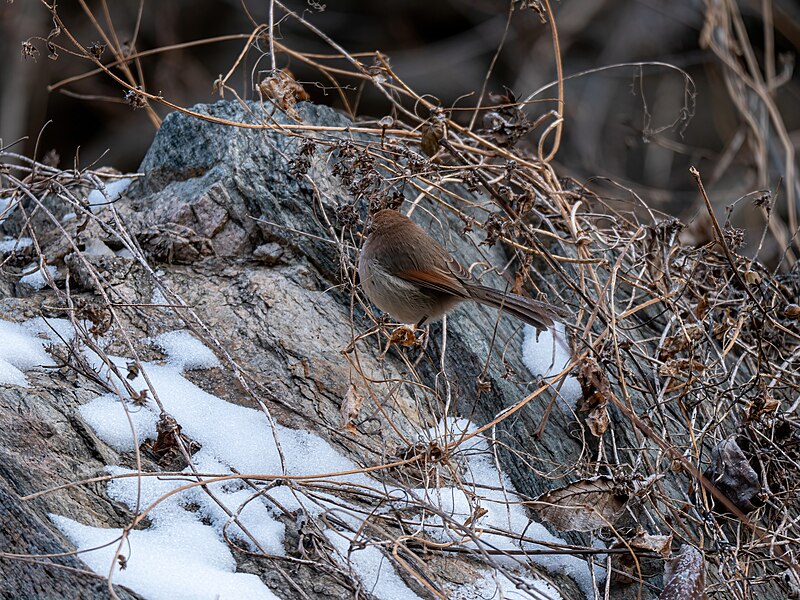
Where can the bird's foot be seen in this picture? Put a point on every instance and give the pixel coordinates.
(405, 336)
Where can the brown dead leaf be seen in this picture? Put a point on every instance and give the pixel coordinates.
(584, 505)
(660, 544)
(139, 398)
(731, 474)
(680, 368)
(168, 431)
(133, 370)
(684, 576)
(683, 340)
(283, 89)
(596, 395)
(752, 277)
(628, 568)
(351, 407)
(791, 311)
(432, 134)
(597, 420)
(702, 306)
(762, 404)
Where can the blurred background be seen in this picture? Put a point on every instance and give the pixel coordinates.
(641, 126)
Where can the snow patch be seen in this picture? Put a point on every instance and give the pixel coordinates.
(12, 244)
(494, 585)
(180, 560)
(109, 193)
(373, 569)
(547, 354)
(186, 537)
(36, 279)
(185, 351)
(20, 350)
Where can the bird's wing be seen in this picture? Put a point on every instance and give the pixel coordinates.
(435, 279)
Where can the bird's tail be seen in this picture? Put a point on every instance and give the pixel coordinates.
(538, 314)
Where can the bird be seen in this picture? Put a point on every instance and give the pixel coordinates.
(408, 274)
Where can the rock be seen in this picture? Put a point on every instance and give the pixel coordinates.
(263, 255)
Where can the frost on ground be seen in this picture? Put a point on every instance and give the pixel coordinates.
(546, 354)
(183, 553)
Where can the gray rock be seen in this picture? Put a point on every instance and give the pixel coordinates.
(247, 242)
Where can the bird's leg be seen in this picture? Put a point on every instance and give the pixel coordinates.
(422, 340)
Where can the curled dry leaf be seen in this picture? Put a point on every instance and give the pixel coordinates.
(351, 406)
(762, 404)
(681, 341)
(630, 569)
(791, 311)
(403, 336)
(731, 473)
(596, 394)
(283, 89)
(505, 123)
(752, 277)
(660, 544)
(432, 134)
(684, 576)
(168, 431)
(584, 505)
(680, 368)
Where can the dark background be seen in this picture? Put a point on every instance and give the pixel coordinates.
(439, 47)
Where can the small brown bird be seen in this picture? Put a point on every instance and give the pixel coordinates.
(407, 274)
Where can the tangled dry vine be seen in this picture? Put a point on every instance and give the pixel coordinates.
(687, 351)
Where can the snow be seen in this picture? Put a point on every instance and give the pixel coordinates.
(54, 330)
(181, 559)
(111, 192)
(36, 279)
(7, 206)
(183, 552)
(489, 489)
(493, 585)
(373, 569)
(546, 354)
(11, 244)
(230, 435)
(566, 564)
(185, 351)
(20, 350)
(11, 375)
(107, 417)
(238, 436)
